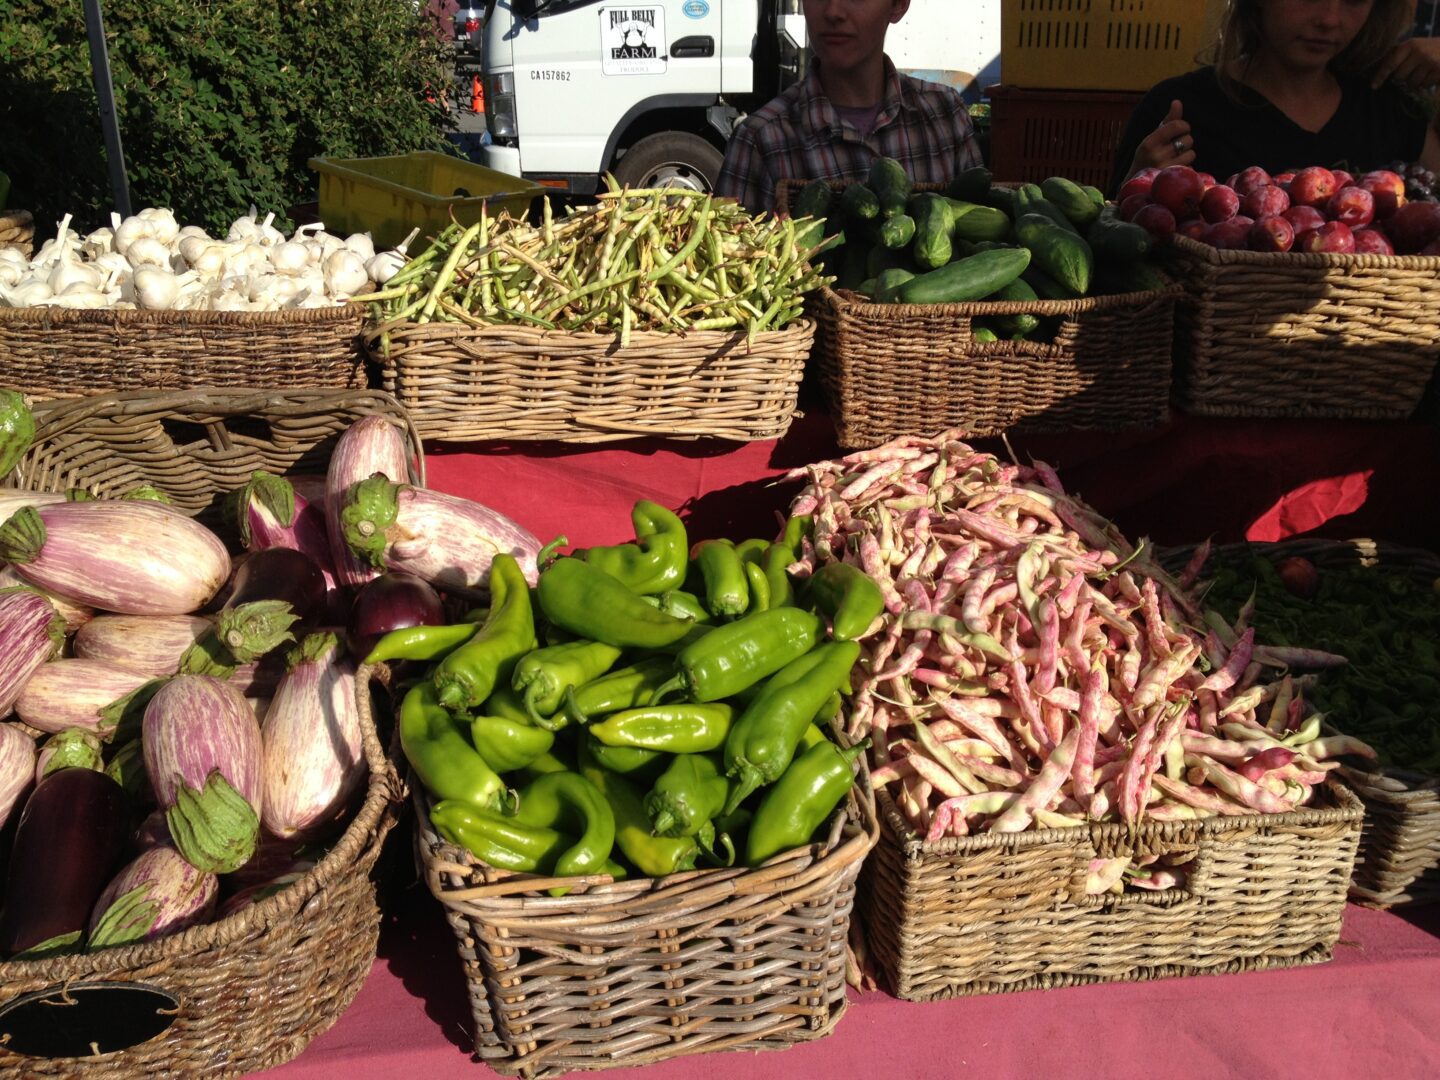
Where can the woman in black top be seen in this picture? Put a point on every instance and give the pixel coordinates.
(1295, 83)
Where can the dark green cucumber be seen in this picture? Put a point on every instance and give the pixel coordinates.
(887, 285)
(972, 185)
(1030, 200)
(1070, 198)
(1046, 287)
(934, 223)
(860, 203)
(813, 200)
(1011, 325)
(1061, 253)
(968, 279)
(891, 185)
(897, 232)
(1118, 242)
(975, 223)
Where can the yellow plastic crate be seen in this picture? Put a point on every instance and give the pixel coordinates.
(389, 196)
(1103, 44)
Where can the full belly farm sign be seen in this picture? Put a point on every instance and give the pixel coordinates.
(632, 40)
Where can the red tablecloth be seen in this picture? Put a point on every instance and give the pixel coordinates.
(1373, 1011)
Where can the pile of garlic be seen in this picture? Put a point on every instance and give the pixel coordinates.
(148, 261)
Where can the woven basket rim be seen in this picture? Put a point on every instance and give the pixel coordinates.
(1348, 809)
(537, 336)
(56, 416)
(1414, 560)
(1300, 260)
(45, 316)
(368, 828)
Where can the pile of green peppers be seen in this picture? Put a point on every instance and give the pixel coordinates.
(1386, 624)
(647, 708)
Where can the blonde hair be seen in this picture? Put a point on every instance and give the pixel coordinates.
(1240, 38)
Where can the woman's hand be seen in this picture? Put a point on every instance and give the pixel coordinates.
(1414, 63)
(1168, 144)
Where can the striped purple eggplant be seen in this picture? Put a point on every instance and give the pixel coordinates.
(75, 615)
(273, 514)
(369, 446)
(158, 893)
(204, 758)
(260, 678)
(133, 558)
(153, 831)
(73, 749)
(150, 644)
(447, 540)
(71, 694)
(12, 499)
(314, 758)
(30, 633)
(17, 768)
(251, 895)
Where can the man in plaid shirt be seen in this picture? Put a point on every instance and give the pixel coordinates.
(851, 107)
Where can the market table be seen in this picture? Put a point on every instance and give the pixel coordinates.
(1373, 1011)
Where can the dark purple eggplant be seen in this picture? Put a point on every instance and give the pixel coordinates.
(72, 838)
(281, 573)
(393, 601)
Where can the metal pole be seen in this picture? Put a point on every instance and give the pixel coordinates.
(105, 94)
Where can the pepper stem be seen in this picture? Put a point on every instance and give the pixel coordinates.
(668, 687)
(573, 710)
(749, 779)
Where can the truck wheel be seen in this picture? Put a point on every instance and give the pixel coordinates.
(670, 159)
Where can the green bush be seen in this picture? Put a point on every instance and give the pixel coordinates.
(221, 104)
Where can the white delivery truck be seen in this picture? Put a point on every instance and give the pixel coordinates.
(651, 91)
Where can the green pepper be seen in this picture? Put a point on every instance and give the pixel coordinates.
(679, 728)
(739, 654)
(465, 678)
(507, 745)
(568, 801)
(587, 601)
(801, 800)
(726, 590)
(624, 688)
(545, 763)
(658, 559)
(503, 701)
(499, 840)
(752, 551)
(639, 765)
(759, 587)
(544, 675)
(777, 558)
(683, 605)
(796, 529)
(654, 856)
(420, 642)
(441, 754)
(687, 795)
(762, 743)
(847, 596)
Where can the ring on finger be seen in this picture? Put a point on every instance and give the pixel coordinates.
(1178, 145)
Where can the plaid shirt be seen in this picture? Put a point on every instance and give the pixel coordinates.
(800, 136)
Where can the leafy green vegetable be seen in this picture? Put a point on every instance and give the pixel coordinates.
(1387, 624)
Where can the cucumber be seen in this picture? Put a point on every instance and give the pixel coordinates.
(1059, 252)
(972, 185)
(963, 249)
(1004, 200)
(982, 334)
(1030, 200)
(933, 226)
(887, 285)
(891, 185)
(976, 223)
(860, 203)
(1118, 242)
(1096, 195)
(969, 279)
(17, 430)
(868, 287)
(1071, 200)
(1011, 325)
(813, 201)
(1046, 287)
(897, 232)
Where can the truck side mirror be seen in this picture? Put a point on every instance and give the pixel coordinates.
(523, 8)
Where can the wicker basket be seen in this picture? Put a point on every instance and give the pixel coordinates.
(519, 383)
(905, 369)
(897, 369)
(1399, 858)
(993, 913)
(194, 446)
(57, 352)
(645, 970)
(1304, 335)
(17, 230)
(253, 989)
